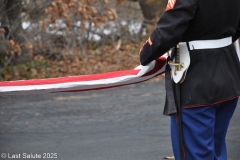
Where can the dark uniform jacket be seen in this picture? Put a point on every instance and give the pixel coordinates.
(214, 74)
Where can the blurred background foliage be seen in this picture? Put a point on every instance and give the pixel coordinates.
(53, 38)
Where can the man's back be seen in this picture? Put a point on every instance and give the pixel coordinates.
(214, 74)
(214, 19)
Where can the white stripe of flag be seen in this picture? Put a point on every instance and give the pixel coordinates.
(68, 84)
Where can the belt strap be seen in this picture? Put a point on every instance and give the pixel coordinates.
(210, 44)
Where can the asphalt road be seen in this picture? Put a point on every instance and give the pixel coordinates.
(116, 124)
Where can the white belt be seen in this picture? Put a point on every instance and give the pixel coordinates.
(210, 44)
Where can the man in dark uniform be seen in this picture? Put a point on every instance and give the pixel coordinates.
(211, 88)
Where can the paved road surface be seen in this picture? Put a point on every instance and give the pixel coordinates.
(116, 124)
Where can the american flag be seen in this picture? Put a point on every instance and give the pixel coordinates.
(85, 82)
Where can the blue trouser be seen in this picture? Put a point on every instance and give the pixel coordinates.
(204, 131)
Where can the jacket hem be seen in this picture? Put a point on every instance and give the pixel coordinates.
(209, 104)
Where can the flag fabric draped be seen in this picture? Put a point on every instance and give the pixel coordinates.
(85, 82)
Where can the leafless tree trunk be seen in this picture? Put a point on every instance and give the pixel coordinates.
(12, 23)
(151, 11)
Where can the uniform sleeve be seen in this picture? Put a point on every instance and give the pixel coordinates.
(237, 35)
(169, 30)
